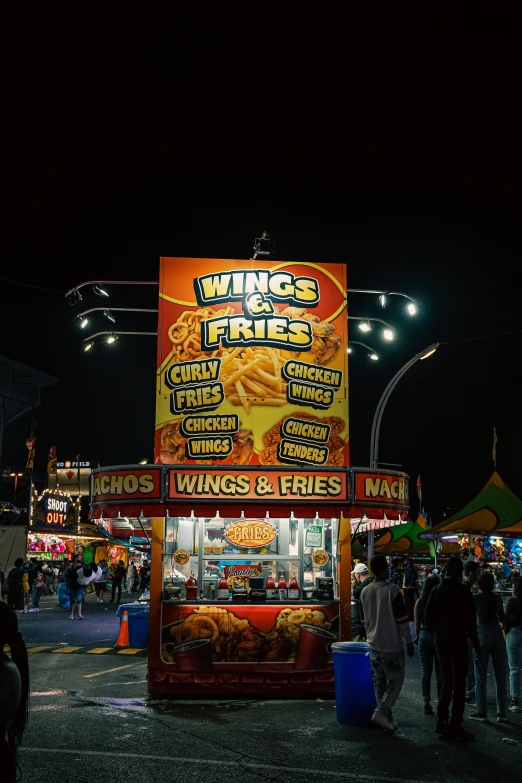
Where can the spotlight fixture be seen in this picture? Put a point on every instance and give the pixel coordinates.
(264, 245)
(88, 346)
(364, 326)
(112, 338)
(412, 308)
(349, 349)
(383, 299)
(73, 297)
(373, 356)
(109, 315)
(82, 321)
(388, 334)
(143, 462)
(99, 291)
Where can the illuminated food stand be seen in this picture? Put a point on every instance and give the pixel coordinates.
(249, 504)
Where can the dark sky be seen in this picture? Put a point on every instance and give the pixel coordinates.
(407, 169)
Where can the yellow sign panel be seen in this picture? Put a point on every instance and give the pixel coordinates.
(252, 363)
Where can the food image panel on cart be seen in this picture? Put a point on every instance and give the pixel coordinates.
(251, 635)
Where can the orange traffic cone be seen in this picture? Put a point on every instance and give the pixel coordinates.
(123, 636)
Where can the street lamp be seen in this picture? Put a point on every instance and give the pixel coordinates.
(82, 319)
(372, 354)
(365, 326)
(377, 418)
(412, 307)
(88, 343)
(16, 477)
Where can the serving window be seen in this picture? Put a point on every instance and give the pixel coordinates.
(208, 548)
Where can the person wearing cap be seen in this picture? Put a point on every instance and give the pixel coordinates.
(471, 574)
(450, 611)
(360, 579)
(387, 629)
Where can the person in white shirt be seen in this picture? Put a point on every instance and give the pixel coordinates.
(387, 629)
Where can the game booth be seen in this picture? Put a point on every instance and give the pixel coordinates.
(489, 527)
(250, 502)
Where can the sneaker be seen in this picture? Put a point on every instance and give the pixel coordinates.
(514, 706)
(428, 709)
(394, 722)
(471, 700)
(33, 610)
(383, 721)
(441, 727)
(80, 617)
(501, 718)
(71, 618)
(478, 716)
(458, 734)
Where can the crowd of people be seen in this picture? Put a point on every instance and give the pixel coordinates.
(459, 625)
(23, 585)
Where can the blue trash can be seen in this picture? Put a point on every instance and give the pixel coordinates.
(138, 629)
(354, 694)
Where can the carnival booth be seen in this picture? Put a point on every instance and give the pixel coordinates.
(250, 503)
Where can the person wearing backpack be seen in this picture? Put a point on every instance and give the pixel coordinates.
(74, 587)
(17, 583)
(100, 583)
(38, 588)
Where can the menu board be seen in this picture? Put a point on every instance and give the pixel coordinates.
(252, 363)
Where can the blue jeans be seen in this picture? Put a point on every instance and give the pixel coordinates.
(514, 651)
(429, 657)
(37, 593)
(493, 644)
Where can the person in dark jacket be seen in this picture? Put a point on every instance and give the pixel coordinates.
(490, 614)
(450, 611)
(360, 579)
(117, 579)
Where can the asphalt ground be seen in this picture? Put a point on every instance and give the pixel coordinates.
(91, 720)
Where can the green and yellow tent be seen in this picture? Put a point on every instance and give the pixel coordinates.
(494, 511)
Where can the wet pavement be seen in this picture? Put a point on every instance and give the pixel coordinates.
(91, 721)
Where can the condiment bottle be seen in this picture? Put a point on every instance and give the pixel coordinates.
(191, 586)
(293, 590)
(223, 590)
(271, 592)
(282, 590)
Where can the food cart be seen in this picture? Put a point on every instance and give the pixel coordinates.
(249, 504)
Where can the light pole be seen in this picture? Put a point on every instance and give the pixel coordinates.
(372, 354)
(377, 418)
(16, 476)
(381, 405)
(82, 319)
(88, 343)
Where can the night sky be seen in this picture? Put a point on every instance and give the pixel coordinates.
(424, 198)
